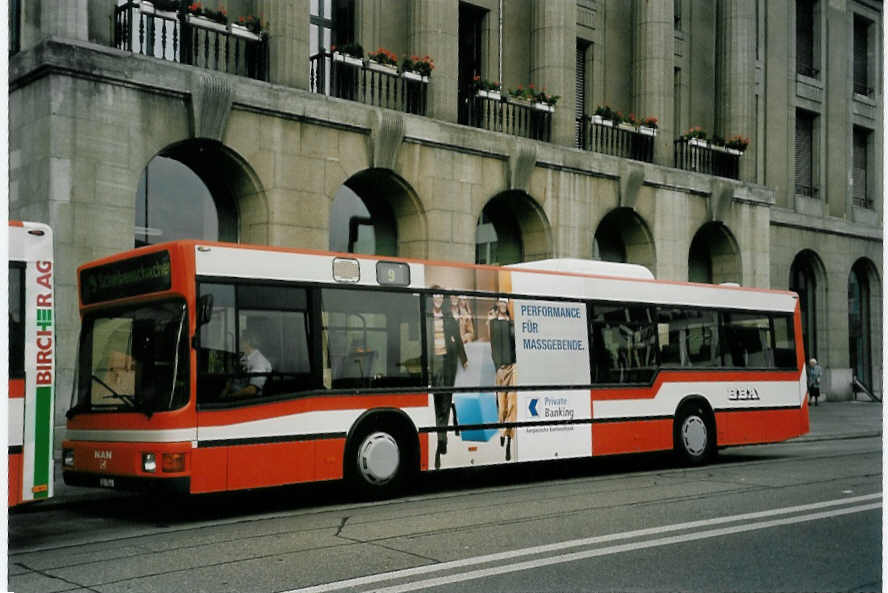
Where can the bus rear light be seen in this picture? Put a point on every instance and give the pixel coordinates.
(173, 462)
(68, 457)
(149, 462)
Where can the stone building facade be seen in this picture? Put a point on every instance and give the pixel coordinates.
(94, 102)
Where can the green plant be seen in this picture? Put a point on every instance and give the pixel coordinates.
(350, 49)
(170, 5)
(198, 9)
(737, 143)
(695, 132)
(544, 97)
(525, 94)
(480, 84)
(423, 65)
(383, 56)
(605, 112)
(253, 24)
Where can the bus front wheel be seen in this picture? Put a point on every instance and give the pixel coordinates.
(694, 436)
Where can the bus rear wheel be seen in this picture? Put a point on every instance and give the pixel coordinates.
(377, 462)
(694, 436)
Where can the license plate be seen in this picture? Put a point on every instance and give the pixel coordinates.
(106, 482)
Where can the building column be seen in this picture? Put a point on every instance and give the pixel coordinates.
(736, 113)
(68, 19)
(553, 62)
(654, 71)
(288, 50)
(434, 31)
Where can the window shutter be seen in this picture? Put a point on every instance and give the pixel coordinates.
(803, 154)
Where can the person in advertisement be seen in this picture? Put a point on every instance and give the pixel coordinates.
(447, 351)
(466, 320)
(502, 347)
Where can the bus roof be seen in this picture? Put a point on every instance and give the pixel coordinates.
(552, 278)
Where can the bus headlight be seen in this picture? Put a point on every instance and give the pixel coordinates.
(67, 457)
(149, 462)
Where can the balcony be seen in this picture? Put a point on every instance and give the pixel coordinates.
(699, 155)
(491, 111)
(181, 37)
(344, 77)
(600, 135)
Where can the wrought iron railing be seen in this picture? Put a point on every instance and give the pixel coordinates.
(808, 191)
(366, 82)
(184, 38)
(861, 88)
(604, 137)
(700, 156)
(493, 112)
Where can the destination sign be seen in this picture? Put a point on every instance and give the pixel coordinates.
(138, 275)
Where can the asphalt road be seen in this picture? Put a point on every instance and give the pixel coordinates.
(800, 516)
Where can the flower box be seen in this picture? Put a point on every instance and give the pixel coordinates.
(146, 7)
(600, 121)
(492, 95)
(733, 151)
(205, 23)
(520, 102)
(698, 142)
(646, 131)
(414, 76)
(243, 32)
(384, 68)
(347, 59)
(544, 107)
(627, 127)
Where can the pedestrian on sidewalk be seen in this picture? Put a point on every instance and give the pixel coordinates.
(815, 374)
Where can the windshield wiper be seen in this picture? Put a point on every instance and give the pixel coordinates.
(130, 400)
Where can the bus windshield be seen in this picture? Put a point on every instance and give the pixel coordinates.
(133, 359)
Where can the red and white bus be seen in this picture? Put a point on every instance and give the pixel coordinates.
(374, 368)
(31, 362)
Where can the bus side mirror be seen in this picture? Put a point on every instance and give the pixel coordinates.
(204, 309)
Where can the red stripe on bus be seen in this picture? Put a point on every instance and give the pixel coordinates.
(16, 223)
(744, 427)
(633, 436)
(15, 478)
(649, 392)
(184, 418)
(312, 404)
(16, 388)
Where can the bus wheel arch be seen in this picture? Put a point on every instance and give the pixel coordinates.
(381, 453)
(694, 431)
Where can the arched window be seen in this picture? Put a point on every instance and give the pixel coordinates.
(172, 202)
(803, 281)
(622, 236)
(362, 224)
(714, 256)
(859, 323)
(498, 234)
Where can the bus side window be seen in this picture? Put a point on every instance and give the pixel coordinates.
(624, 344)
(784, 342)
(370, 338)
(16, 321)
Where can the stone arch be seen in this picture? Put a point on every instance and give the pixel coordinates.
(512, 227)
(807, 278)
(865, 322)
(205, 166)
(377, 211)
(623, 236)
(714, 255)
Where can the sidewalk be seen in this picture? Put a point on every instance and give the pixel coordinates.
(829, 420)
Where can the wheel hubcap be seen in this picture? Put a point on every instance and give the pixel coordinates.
(694, 435)
(378, 458)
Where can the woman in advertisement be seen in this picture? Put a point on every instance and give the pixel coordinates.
(502, 346)
(447, 352)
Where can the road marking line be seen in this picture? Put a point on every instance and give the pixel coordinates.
(675, 539)
(442, 566)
